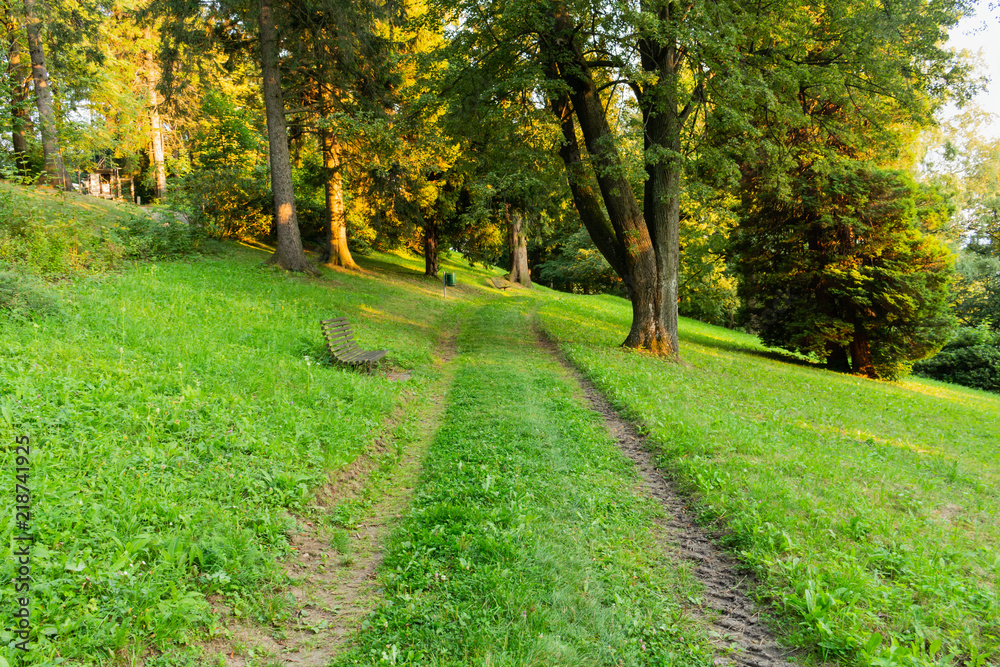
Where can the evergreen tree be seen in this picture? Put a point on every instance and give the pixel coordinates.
(838, 266)
(289, 254)
(54, 167)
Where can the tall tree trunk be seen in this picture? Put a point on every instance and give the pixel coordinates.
(861, 353)
(54, 168)
(432, 261)
(336, 252)
(517, 244)
(640, 268)
(663, 121)
(662, 214)
(289, 254)
(587, 201)
(155, 131)
(20, 118)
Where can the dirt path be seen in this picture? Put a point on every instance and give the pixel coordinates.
(726, 607)
(334, 570)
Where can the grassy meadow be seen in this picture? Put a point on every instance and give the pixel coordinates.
(867, 509)
(182, 422)
(177, 412)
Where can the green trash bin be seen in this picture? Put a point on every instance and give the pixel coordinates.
(449, 279)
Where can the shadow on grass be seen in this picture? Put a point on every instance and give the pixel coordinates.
(374, 263)
(771, 353)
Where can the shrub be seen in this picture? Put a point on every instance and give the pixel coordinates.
(164, 234)
(66, 239)
(228, 202)
(579, 267)
(971, 358)
(26, 297)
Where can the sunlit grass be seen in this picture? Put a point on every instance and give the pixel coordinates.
(177, 411)
(57, 205)
(869, 508)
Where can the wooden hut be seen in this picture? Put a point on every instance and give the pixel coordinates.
(106, 184)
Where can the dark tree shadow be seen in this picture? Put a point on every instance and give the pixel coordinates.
(774, 354)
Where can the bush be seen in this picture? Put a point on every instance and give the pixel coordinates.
(66, 240)
(580, 268)
(228, 202)
(971, 358)
(164, 234)
(26, 297)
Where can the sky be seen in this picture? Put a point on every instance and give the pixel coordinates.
(981, 33)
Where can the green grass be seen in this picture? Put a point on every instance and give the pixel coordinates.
(180, 419)
(525, 543)
(868, 509)
(56, 233)
(177, 412)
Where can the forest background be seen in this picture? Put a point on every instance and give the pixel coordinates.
(775, 167)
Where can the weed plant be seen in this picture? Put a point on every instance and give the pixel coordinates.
(868, 509)
(180, 415)
(525, 543)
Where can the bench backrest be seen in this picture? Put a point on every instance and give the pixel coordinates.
(339, 337)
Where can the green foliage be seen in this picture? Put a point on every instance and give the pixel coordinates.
(964, 160)
(707, 289)
(526, 542)
(839, 261)
(159, 235)
(227, 189)
(229, 202)
(26, 297)
(866, 509)
(975, 296)
(577, 266)
(56, 235)
(971, 359)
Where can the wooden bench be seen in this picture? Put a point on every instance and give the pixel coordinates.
(500, 283)
(340, 340)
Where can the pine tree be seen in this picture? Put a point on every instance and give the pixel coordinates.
(838, 267)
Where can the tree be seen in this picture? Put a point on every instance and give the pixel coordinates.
(54, 168)
(223, 27)
(17, 78)
(621, 234)
(838, 266)
(343, 73)
(681, 61)
(975, 296)
(517, 243)
(962, 159)
(155, 131)
(289, 254)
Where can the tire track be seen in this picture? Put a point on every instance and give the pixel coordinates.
(334, 591)
(725, 606)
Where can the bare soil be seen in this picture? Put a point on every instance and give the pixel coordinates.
(333, 590)
(726, 606)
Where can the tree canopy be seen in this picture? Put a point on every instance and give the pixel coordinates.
(661, 149)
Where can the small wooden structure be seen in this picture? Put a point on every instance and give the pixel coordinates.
(106, 184)
(500, 283)
(343, 348)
